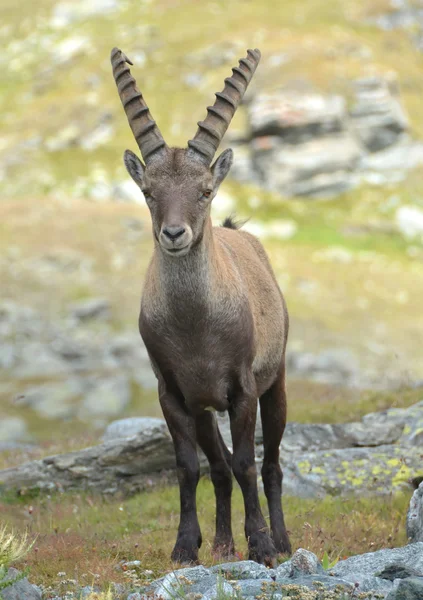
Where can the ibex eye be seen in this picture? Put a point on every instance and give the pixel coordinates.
(207, 194)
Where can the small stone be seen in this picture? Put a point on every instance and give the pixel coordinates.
(305, 563)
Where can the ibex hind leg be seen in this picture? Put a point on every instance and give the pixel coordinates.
(219, 457)
(273, 418)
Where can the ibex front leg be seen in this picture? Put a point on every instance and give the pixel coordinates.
(182, 429)
(243, 414)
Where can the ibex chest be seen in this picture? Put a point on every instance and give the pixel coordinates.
(200, 347)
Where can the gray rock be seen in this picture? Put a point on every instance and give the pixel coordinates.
(378, 470)
(94, 308)
(408, 589)
(87, 590)
(244, 569)
(22, 590)
(126, 428)
(36, 360)
(13, 429)
(304, 562)
(368, 583)
(332, 366)
(106, 398)
(370, 564)
(310, 581)
(176, 581)
(221, 589)
(53, 400)
(134, 596)
(124, 466)
(310, 168)
(411, 418)
(296, 117)
(377, 117)
(415, 516)
(251, 588)
(284, 570)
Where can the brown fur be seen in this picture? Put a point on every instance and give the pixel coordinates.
(215, 325)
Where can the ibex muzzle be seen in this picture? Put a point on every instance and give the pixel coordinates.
(213, 320)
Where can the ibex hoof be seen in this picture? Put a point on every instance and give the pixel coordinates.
(262, 549)
(185, 556)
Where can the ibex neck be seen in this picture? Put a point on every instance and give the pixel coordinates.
(188, 280)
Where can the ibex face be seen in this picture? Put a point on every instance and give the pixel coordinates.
(178, 188)
(179, 184)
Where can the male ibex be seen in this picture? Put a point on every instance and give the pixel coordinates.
(213, 320)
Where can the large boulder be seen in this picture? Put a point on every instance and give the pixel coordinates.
(296, 117)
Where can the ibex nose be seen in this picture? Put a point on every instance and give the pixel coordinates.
(173, 232)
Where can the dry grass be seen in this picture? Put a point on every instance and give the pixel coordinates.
(85, 537)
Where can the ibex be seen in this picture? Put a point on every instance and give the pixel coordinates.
(213, 320)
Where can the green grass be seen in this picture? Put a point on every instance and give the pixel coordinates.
(86, 536)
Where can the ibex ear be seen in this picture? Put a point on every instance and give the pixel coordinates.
(221, 167)
(134, 166)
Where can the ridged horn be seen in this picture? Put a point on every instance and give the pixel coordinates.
(211, 131)
(144, 128)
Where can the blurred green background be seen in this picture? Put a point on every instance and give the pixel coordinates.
(75, 235)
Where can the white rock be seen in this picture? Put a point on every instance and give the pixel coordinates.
(409, 220)
(128, 191)
(282, 229)
(12, 429)
(65, 13)
(107, 398)
(125, 428)
(100, 136)
(70, 47)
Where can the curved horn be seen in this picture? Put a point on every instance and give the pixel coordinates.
(212, 129)
(144, 128)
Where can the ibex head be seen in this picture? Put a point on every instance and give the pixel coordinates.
(179, 184)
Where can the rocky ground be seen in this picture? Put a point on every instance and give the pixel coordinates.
(395, 574)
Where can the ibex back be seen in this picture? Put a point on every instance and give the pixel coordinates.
(213, 320)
